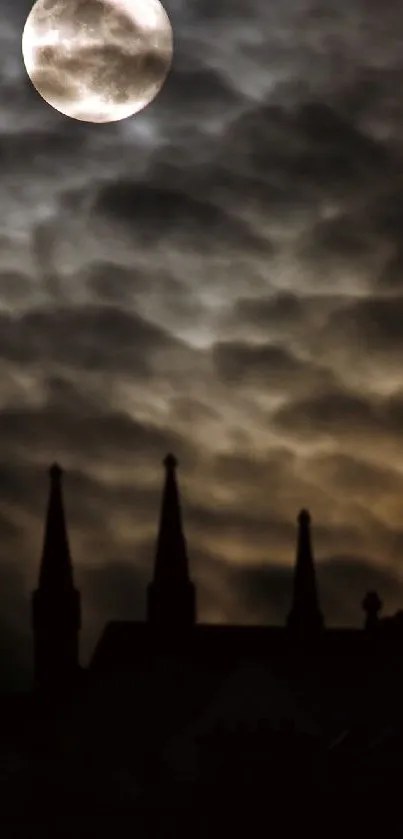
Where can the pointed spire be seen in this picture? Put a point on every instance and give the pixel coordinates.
(56, 568)
(171, 562)
(171, 594)
(305, 612)
(372, 605)
(56, 604)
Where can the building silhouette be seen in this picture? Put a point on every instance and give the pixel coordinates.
(171, 638)
(204, 715)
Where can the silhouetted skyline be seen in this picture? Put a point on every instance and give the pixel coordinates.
(189, 712)
(171, 621)
(219, 277)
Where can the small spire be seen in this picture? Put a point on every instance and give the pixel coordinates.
(55, 472)
(171, 594)
(56, 567)
(171, 561)
(170, 462)
(305, 612)
(372, 605)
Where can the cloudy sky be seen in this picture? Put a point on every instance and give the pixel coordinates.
(220, 276)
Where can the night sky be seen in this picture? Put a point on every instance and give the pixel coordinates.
(221, 276)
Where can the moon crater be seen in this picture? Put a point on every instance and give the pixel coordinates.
(97, 60)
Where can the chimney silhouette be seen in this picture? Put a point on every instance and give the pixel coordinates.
(56, 614)
(305, 614)
(171, 597)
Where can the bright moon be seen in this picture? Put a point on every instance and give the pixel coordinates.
(97, 60)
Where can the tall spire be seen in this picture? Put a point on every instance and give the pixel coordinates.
(56, 611)
(171, 595)
(171, 556)
(305, 613)
(56, 568)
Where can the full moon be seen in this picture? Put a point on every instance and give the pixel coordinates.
(97, 60)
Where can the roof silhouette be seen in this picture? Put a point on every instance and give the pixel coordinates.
(251, 693)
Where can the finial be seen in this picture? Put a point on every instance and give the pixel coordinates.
(170, 461)
(55, 471)
(372, 604)
(304, 517)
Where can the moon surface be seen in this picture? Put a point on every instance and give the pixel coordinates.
(97, 60)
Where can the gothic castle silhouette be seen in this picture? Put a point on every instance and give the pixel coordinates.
(211, 718)
(330, 669)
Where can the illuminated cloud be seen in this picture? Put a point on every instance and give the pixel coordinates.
(220, 276)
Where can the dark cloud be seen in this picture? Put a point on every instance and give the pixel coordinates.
(236, 522)
(153, 212)
(283, 160)
(198, 91)
(271, 365)
(202, 10)
(191, 411)
(241, 468)
(341, 416)
(339, 328)
(90, 338)
(32, 151)
(113, 283)
(343, 239)
(391, 278)
(368, 325)
(84, 434)
(251, 519)
(237, 361)
(355, 475)
(291, 317)
(14, 287)
(338, 152)
(334, 412)
(286, 309)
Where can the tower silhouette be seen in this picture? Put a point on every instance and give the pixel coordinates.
(372, 605)
(56, 612)
(171, 598)
(305, 613)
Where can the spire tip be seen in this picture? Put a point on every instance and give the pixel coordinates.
(170, 461)
(55, 471)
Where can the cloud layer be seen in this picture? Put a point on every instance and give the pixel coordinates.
(222, 276)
